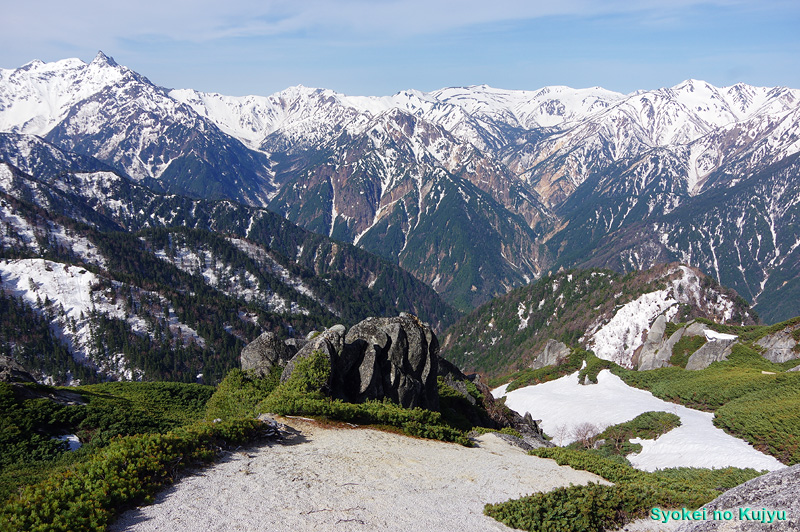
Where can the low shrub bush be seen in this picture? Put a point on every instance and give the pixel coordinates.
(529, 376)
(769, 419)
(28, 450)
(504, 430)
(684, 348)
(128, 471)
(588, 374)
(763, 409)
(239, 392)
(596, 507)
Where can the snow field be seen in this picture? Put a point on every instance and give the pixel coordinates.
(563, 404)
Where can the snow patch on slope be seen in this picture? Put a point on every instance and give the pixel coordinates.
(563, 404)
(618, 339)
(74, 293)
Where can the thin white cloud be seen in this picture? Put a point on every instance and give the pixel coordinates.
(89, 22)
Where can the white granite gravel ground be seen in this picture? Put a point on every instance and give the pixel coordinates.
(352, 479)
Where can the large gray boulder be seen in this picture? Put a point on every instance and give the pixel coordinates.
(395, 358)
(553, 354)
(656, 355)
(264, 353)
(695, 328)
(656, 351)
(777, 492)
(779, 347)
(711, 351)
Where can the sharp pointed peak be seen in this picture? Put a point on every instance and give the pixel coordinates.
(101, 59)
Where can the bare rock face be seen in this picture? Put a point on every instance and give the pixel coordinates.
(711, 351)
(769, 502)
(397, 358)
(695, 328)
(11, 371)
(780, 347)
(264, 353)
(654, 353)
(554, 353)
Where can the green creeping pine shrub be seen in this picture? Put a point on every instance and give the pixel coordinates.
(310, 374)
(769, 419)
(593, 366)
(671, 328)
(684, 349)
(504, 430)
(126, 472)
(763, 409)
(706, 389)
(596, 507)
(28, 452)
(527, 377)
(301, 395)
(456, 409)
(649, 426)
(414, 421)
(589, 508)
(751, 333)
(239, 393)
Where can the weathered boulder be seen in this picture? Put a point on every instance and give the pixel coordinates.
(264, 353)
(779, 346)
(694, 328)
(711, 351)
(295, 344)
(554, 353)
(12, 371)
(652, 354)
(777, 492)
(396, 357)
(330, 342)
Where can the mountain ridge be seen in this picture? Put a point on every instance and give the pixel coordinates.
(557, 163)
(592, 309)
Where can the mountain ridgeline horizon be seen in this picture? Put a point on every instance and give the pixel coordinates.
(472, 190)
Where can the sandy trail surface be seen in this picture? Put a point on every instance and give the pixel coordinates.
(352, 479)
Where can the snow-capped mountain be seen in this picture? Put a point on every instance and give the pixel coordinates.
(114, 114)
(472, 189)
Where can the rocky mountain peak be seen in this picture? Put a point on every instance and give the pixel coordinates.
(102, 59)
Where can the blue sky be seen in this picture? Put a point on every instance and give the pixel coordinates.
(379, 47)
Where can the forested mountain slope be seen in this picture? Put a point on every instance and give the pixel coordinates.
(135, 284)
